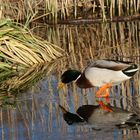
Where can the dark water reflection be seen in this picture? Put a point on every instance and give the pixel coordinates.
(36, 113)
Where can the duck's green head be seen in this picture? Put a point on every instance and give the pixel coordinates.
(69, 76)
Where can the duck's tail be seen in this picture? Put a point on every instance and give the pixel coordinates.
(131, 70)
(134, 119)
(133, 122)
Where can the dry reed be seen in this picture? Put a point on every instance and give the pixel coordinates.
(20, 49)
(28, 11)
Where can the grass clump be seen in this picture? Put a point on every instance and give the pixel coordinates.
(19, 48)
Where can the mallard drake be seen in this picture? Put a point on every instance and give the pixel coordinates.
(100, 73)
(96, 116)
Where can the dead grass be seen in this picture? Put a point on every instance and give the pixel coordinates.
(19, 48)
(42, 10)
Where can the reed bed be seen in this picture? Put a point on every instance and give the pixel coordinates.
(20, 49)
(48, 10)
(21, 81)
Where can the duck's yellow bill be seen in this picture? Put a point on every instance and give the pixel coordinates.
(60, 85)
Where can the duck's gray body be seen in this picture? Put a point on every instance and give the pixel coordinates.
(102, 118)
(101, 72)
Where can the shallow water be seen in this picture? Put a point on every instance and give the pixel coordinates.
(36, 113)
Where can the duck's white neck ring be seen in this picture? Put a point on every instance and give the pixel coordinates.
(77, 78)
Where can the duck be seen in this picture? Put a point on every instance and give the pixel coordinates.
(100, 73)
(97, 117)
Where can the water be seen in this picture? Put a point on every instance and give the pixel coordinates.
(35, 114)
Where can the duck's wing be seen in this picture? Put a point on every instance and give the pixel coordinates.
(110, 64)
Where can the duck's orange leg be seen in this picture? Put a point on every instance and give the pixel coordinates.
(103, 92)
(104, 107)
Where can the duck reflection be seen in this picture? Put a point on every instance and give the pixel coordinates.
(100, 118)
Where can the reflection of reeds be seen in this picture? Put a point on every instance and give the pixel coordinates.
(24, 79)
(116, 40)
(14, 82)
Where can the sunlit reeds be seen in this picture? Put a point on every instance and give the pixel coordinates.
(53, 10)
(20, 49)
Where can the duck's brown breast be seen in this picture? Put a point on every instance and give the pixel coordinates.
(83, 82)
